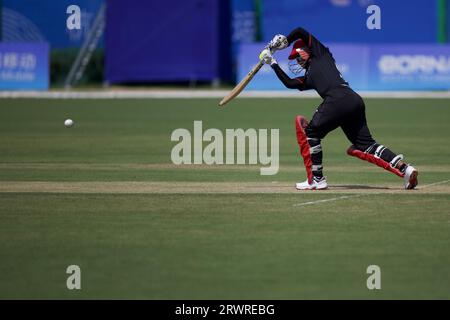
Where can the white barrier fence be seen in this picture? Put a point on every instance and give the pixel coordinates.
(217, 94)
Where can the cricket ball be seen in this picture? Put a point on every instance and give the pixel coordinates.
(69, 123)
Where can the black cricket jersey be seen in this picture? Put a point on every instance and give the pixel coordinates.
(321, 73)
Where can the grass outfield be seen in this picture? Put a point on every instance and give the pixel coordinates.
(105, 196)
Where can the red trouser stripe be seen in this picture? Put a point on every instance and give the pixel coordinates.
(371, 158)
(304, 146)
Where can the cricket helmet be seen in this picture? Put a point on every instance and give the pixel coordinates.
(299, 57)
(298, 50)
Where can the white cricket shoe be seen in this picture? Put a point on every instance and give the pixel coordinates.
(410, 177)
(315, 185)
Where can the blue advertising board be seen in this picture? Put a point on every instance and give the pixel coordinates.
(365, 67)
(351, 60)
(24, 66)
(409, 67)
(353, 63)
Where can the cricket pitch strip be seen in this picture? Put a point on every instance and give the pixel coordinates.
(129, 187)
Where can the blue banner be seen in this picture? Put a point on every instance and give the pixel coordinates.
(24, 66)
(402, 21)
(45, 20)
(364, 67)
(158, 41)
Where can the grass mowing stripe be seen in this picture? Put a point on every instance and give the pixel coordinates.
(223, 246)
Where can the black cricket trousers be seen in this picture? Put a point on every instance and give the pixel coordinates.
(342, 108)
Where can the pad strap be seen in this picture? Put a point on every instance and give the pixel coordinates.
(396, 160)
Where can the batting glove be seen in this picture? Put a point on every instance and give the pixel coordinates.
(267, 57)
(278, 42)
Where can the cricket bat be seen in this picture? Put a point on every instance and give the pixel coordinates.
(241, 85)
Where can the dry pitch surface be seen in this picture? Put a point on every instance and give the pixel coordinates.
(441, 187)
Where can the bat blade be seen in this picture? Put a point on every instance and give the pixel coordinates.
(241, 85)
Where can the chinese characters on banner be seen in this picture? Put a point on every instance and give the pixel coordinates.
(24, 66)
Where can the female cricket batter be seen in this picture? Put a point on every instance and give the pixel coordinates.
(341, 107)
